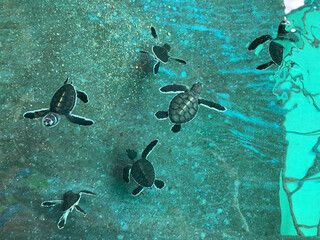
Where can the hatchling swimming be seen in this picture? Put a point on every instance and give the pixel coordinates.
(142, 171)
(62, 104)
(275, 49)
(161, 53)
(69, 202)
(184, 106)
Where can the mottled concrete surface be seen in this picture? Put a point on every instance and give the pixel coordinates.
(221, 171)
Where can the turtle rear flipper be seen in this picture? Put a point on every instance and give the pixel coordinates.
(51, 203)
(36, 113)
(156, 67)
(154, 33)
(63, 219)
(161, 115)
(260, 40)
(82, 96)
(213, 105)
(265, 66)
(148, 149)
(79, 209)
(176, 128)
(79, 120)
(179, 60)
(126, 173)
(137, 191)
(174, 88)
(159, 184)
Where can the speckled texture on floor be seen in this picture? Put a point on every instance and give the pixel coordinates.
(221, 171)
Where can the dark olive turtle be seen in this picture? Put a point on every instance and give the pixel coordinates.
(69, 202)
(161, 53)
(142, 171)
(70, 199)
(185, 105)
(64, 100)
(275, 49)
(62, 104)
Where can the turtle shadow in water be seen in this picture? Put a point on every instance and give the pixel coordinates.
(143, 65)
(119, 161)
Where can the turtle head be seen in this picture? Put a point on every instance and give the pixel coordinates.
(196, 88)
(50, 120)
(282, 28)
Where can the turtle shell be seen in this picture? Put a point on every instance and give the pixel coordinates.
(143, 173)
(69, 199)
(161, 53)
(64, 100)
(276, 52)
(183, 108)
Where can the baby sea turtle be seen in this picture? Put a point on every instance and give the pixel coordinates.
(62, 103)
(275, 49)
(142, 170)
(161, 53)
(184, 106)
(69, 202)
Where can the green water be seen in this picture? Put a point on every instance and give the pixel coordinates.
(228, 175)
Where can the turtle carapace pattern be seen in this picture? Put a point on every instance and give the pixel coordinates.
(161, 53)
(69, 202)
(275, 49)
(142, 171)
(62, 104)
(184, 106)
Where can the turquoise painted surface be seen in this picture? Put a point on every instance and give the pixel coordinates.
(221, 171)
(296, 86)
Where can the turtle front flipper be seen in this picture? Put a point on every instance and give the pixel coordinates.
(79, 120)
(161, 115)
(36, 113)
(82, 96)
(154, 33)
(131, 154)
(137, 191)
(213, 105)
(126, 173)
(51, 203)
(79, 209)
(159, 183)
(156, 67)
(149, 148)
(174, 88)
(176, 128)
(292, 37)
(260, 40)
(63, 219)
(144, 52)
(179, 60)
(265, 66)
(86, 192)
(167, 46)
